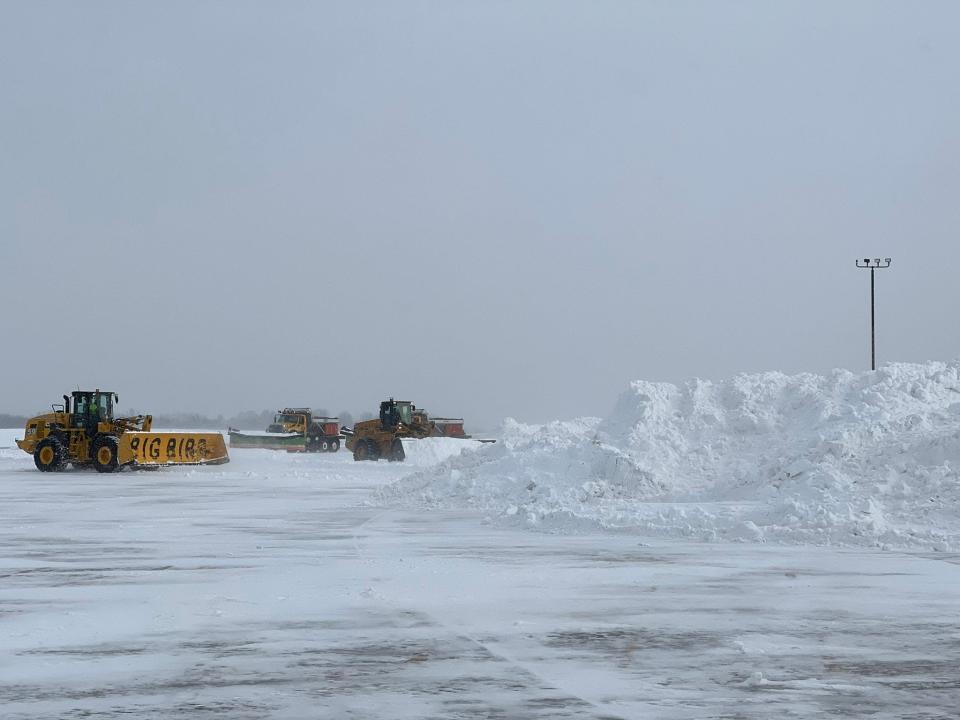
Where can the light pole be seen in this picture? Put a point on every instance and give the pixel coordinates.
(874, 265)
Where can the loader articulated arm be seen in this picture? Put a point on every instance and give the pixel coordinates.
(139, 423)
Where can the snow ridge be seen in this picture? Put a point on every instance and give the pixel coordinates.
(844, 458)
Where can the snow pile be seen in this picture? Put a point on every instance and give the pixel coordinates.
(430, 451)
(864, 459)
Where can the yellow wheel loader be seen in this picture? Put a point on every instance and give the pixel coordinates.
(83, 432)
(399, 419)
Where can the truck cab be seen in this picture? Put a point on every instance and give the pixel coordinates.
(291, 420)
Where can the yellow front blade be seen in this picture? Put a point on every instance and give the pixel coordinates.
(173, 448)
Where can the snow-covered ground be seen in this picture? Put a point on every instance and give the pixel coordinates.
(283, 586)
(866, 459)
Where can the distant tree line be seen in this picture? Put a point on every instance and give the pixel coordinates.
(246, 420)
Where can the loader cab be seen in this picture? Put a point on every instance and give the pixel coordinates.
(393, 412)
(90, 407)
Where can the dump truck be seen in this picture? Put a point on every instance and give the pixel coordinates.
(451, 427)
(293, 430)
(84, 432)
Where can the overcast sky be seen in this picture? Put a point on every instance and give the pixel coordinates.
(491, 208)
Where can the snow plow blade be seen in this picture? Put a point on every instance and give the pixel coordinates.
(172, 448)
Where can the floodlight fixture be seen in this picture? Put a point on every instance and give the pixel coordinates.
(875, 263)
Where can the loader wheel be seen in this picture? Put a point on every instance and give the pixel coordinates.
(366, 450)
(396, 451)
(105, 453)
(50, 455)
(360, 451)
(334, 445)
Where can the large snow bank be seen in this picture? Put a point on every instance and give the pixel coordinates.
(865, 459)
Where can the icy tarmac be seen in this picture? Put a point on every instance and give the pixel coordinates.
(271, 588)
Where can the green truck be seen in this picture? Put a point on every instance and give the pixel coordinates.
(293, 430)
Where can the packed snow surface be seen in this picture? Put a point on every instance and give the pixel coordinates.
(843, 458)
(270, 587)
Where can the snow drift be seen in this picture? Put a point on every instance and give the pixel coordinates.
(430, 451)
(862, 459)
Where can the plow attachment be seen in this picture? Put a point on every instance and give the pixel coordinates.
(172, 448)
(291, 442)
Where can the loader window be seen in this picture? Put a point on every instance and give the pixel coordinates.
(406, 414)
(105, 404)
